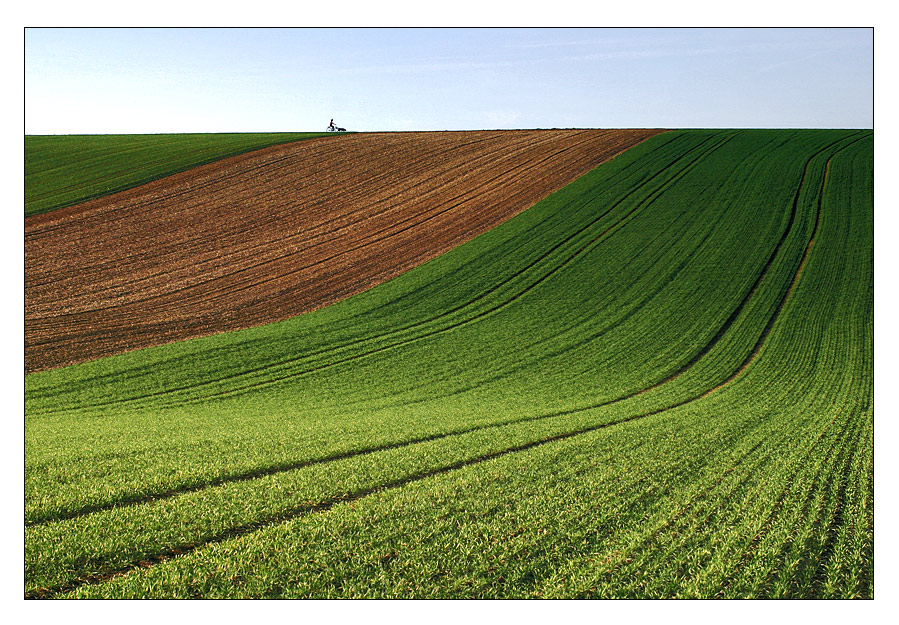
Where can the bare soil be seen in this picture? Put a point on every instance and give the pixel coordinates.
(274, 233)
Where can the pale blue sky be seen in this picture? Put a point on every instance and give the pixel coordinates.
(237, 80)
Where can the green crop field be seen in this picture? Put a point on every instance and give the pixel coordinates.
(67, 169)
(656, 382)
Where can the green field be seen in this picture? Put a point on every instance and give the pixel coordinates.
(656, 382)
(67, 169)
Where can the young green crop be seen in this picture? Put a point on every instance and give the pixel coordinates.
(61, 170)
(441, 340)
(655, 383)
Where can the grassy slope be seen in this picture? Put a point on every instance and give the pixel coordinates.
(61, 170)
(462, 408)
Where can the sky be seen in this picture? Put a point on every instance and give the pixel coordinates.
(368, 79)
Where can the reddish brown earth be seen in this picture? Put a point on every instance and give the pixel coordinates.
(270, 234)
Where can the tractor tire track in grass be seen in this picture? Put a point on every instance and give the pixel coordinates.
(162, 556)
(779, 396)
(197, 218)
(791, 480)
(139, 498)
(495, 308)
(151, 559)
(703, 151)
(143, 497)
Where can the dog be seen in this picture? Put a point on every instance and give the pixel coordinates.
(339, 129)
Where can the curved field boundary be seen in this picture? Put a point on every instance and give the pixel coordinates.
(270, 234)
(705, 349)
(149, 559)
(766, 376)
(565, 259)
(62, 170)
(273, 373)
(152, 559)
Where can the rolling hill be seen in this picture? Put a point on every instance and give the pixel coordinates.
(654, 382)
(276, 232)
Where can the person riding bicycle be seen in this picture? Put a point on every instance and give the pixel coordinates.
(332, 126)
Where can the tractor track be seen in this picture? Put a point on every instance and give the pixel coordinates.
(172, 552)
(271, 234)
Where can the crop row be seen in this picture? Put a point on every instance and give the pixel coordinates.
(65, 170)
(470, 454)
(571, 335)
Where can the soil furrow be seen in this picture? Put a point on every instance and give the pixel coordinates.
(269, 471)
(705, 150)
(173, 552)
(97, 260)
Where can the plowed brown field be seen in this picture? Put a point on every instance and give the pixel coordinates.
(267, 235)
